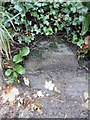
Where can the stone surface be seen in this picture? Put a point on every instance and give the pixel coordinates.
(61, 67)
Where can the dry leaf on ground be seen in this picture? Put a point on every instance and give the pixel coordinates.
(26, 81)
(47, 94)
(26, 102)
(34, 95)
(57, 92)
(39, 111)
(9, 94)
(0, 87)
(39, 94)
(8, 88)
(86, 95)
(31, 108)
(87, 104)
(49, 85)
(19, 101)
(36, 106)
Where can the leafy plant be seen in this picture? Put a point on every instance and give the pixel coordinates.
(19, 57)
(16, 69)
(48, 18)
(5, 35)
(86, 24)
(41, 18)
(4, 38)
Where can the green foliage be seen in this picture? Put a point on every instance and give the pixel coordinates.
(13, 72)
(19, 57)
(86, 24)
(86, 21)
(19, 69)
(73, 18)
(8, 72)
(43, 18)
(4, 36)
(47, 18)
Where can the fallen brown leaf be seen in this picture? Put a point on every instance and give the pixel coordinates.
(87, 104)
(39, 111)
(8, 87)
(57, 92)
(0, 88)
(35, 106)
(9, 94)
(31, 107)
(34, 95)
(26, 81)
(86, 95)
(26, 102)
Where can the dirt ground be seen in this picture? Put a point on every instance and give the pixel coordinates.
(60, 66)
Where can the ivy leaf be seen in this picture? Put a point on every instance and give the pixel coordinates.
(81, 18)
(25, 51)
(85, 24)
(8, 72)
(27, 39)
(74, 40)
(19, 69)
(46, 22)
(56, 30)
(35, 14)
(80, 42)
(17, 58)
(73, 9)
(18, 8)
